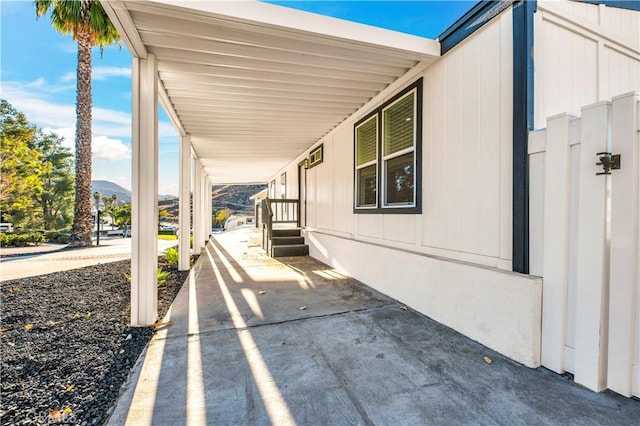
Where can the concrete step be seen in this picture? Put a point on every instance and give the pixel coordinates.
(283, 241)
(290, 250)
(287, 232)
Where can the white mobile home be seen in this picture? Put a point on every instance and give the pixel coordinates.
(434, 171)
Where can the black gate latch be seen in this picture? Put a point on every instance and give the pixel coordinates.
(608, 162)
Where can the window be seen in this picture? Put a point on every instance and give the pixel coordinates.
(283, 185)
(315, 157)
(366, 163)
(272, 189)
(387, 155)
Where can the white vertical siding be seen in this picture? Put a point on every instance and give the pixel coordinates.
(343, 219)
(423, 259)
(467, 131)
(324, 180)
(583, 53)
(466, 154)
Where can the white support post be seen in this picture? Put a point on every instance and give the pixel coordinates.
(592, 304)
(624, 339)
(556, 243)
(198, 209)
(209, 199)
(185, 203)
(144, 199)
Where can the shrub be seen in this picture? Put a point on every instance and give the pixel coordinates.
(58, 237)
(22, 239)
(171, 255)
(160, 274)
(162, 277)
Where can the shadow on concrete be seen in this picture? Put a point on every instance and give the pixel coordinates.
(241, 350)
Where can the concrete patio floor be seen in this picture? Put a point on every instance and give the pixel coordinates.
(255, 340)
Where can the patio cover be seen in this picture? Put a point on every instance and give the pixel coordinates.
(249, 86)
(253, 84)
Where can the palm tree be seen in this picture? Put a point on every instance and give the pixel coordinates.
(90, 26)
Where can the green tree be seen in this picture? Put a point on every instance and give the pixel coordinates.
(21, 169)
(56, 199)
(36, 186)
(122, 216)
(90, 26)
(221, 217)
(110, 205)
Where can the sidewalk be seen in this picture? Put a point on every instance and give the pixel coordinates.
(257, 341)
(53, 258)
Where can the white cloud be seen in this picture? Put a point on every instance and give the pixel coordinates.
(166, 130)
(103, 147)
(109, 126)
(38, 83)
(108, 149)
(111, 116)
(70, 76)
(102, 73)
(68, 135)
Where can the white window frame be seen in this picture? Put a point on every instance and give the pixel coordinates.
(385, 158)
(381, 206)
(365, 165)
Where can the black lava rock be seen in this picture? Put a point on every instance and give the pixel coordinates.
(66, 345)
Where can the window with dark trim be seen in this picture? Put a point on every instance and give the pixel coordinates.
(387, 145)
(316, 156)
(272, 189)
(283, 185)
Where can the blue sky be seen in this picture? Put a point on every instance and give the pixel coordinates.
(38, 66)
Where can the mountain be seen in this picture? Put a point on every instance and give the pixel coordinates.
(107, 189)
(235, 197)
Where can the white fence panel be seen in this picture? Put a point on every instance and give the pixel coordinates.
(556, 242)
(624, 339)
(585, 239)
(591, 302)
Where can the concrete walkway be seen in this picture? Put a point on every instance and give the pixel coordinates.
(53, 258)
(258, 341)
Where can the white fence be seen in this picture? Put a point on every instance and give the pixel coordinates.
(584, 242)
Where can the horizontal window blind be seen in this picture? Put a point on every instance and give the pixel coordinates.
(398, 125)
(366, 140)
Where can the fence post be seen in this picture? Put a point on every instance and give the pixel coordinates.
(625, 236)
(592, 256)
(556, 242)
(537, 147)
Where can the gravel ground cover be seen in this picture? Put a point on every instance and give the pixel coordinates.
(66, 345)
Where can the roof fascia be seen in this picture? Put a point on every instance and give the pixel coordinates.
(119, 16)
(480, 14)
(264, 14)
(620, 4)
(168, 108)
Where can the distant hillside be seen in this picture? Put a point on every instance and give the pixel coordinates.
(107, 189)
(235, 197)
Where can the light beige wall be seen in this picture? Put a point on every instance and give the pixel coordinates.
(466, 161)
(583, 53)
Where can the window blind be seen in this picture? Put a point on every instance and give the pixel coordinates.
(366, 140)
(398, 125)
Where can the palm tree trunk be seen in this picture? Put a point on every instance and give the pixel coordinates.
(81, 230)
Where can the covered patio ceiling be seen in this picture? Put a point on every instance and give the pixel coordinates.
(255, 84)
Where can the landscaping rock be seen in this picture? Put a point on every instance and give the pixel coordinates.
(66, 343)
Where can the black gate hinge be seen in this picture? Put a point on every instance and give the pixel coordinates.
(608, 162)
